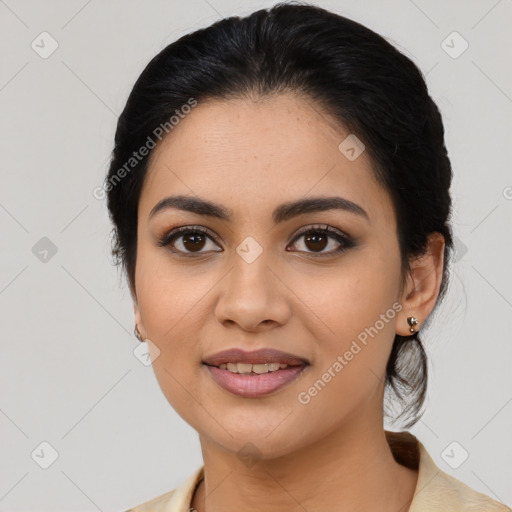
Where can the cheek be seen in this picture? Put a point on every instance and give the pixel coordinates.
(172, 302)
(168, 293)
(343, 301)
(354, 320)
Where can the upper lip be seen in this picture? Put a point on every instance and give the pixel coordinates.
(262, 355)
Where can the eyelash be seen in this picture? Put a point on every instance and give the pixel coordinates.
(345, 241)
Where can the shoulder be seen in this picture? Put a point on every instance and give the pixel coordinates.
(435, 489)
(448, 493)
(177, 500)
(158, 504)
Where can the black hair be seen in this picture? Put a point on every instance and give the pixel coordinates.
(352, 73)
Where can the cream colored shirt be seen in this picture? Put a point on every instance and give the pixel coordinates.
(435, 489)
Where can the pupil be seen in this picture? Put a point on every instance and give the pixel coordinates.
(314, 239)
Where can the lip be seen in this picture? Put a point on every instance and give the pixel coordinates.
(262, 355)
(251, 385)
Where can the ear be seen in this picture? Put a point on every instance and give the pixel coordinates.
(138, 319)
(422, 286)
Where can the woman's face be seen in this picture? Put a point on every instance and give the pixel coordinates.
(251, 282)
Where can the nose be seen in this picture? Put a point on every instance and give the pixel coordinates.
(253, 296)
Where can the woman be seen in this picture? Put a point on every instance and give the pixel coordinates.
(279, 190)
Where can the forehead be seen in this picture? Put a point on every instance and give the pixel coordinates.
(250, 153)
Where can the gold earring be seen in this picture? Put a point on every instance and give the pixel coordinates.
(412, 321)
(137, 334)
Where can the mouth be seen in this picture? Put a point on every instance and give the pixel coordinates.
(254, 369)
(254, 374)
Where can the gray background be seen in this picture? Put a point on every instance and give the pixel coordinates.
(68, 373)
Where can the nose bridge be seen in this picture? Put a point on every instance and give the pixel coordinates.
(251, 271)
(252, 294)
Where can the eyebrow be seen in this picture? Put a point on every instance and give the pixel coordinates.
(282, 213)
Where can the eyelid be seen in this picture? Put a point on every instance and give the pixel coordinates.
(173, 233)
(324, 228)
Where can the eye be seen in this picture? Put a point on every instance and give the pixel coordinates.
(189, 239)
(317, 238)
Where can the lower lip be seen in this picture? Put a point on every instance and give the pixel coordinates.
(251, 385)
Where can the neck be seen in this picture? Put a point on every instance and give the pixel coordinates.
(353, 466)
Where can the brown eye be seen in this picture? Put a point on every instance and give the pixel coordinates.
(187, 240)
(317, 239)
(193, 242)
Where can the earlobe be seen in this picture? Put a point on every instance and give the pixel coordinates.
(423, 286)
(138, 330)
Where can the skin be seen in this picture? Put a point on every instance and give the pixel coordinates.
(251, 156)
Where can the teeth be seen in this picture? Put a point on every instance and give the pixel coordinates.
(254, 368)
